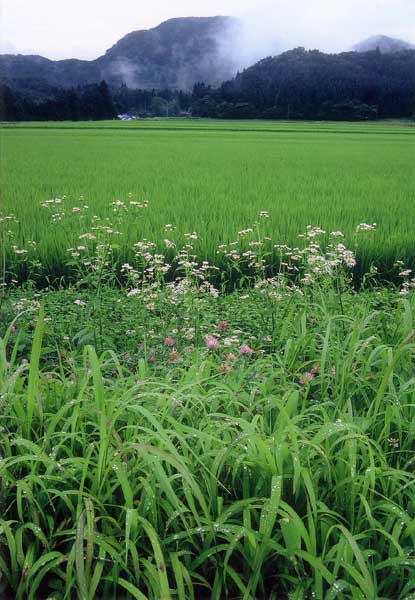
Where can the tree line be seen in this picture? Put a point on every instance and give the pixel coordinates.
(90, 102)
(33, 102)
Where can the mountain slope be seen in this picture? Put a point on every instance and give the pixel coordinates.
(302, 84)
(385, 44)
(175, 54)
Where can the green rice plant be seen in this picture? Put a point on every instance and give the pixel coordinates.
(209, 177)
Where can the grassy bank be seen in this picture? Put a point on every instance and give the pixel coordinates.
(170, 441)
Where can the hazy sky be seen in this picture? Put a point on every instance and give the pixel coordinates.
(86, 28)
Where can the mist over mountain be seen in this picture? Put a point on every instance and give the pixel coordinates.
(385, 44)
(175, 54)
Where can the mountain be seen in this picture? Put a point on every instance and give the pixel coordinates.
(298, 84)
(385, 44)
(175, 54)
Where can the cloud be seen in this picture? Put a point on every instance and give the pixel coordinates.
(329, 25)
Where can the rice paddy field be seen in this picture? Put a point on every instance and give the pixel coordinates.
(207, 357)
(213, 178)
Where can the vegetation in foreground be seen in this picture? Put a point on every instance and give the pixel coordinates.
(251, 445)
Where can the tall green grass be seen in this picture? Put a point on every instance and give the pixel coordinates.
(181, 480)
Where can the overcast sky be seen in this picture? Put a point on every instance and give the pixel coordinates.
(86, 28)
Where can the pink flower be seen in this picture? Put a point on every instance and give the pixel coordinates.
(152, 359)
(231, 356)
(25, 361)
(48, 375)
(223, 325)
(225, 368)
(308, 376)
(169, 341)
(212, 343)
(245, 349)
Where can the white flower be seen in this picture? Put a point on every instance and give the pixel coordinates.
(244, 232)
(365, 227)
(126, 267)
(314, 231)
(87, 236)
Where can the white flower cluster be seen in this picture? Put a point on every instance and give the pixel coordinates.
(365, 227)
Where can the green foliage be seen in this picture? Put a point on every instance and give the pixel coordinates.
(286, 475)
(251, 444)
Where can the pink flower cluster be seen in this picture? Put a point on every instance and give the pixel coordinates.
(245, 349)
(307, 377)
(212, 343)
